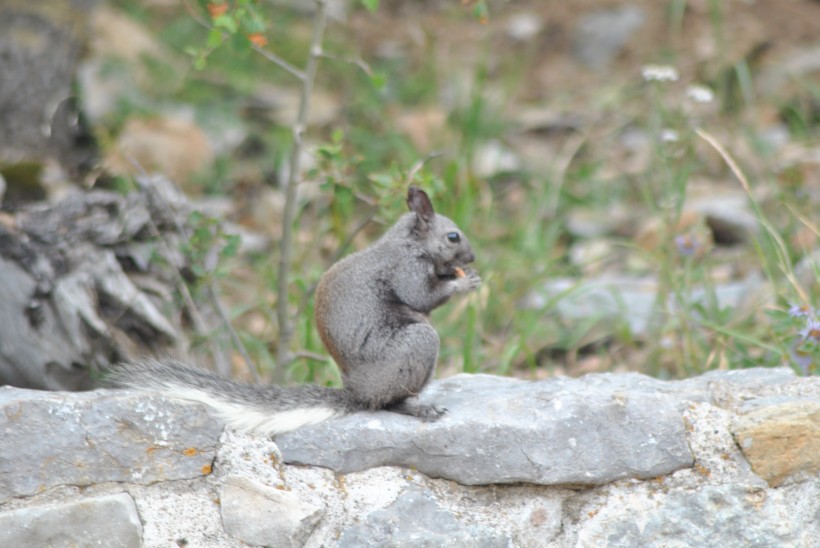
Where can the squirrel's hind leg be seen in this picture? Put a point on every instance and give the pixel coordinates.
(394, 384)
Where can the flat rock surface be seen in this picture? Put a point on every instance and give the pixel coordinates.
(109, 520)
(584, 431)
(58, 438)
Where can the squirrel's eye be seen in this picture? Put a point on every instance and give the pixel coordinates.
(453, 237)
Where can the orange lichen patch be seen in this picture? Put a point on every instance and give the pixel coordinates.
(460, 273)
(190, 452)
(206, 469)
(258, 39)
(702, 470)
(217, 8)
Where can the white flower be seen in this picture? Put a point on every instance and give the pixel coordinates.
(669, 135)
(659, 73)
(700, 94)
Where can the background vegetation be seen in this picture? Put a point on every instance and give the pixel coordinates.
(553, 169)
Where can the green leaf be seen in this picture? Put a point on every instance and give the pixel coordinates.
(214, 38)
(378, 80)
(226, 22)
(370, 5)
(481, 12)
(232, 242)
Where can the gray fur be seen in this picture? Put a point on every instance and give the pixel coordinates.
(372, 313)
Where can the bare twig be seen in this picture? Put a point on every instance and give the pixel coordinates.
(358, 61)
(284, 355)
(310, 356)
(195, 14)
(279, 62)
(416, 167)
(226, 321)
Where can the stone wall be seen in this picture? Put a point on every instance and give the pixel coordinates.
(724, 459)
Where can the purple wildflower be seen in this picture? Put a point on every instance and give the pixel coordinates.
(800, 311)
(812, 331)
(687, 245)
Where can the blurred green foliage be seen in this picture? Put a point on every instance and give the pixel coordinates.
(365, 162)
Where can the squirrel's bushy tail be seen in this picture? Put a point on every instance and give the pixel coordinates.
(262, 409)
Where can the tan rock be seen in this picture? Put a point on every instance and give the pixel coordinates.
(169, 145)
(781, 442)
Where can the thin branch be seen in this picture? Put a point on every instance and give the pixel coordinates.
(269, 55)
(310, 356)
(279, 62)
(416, 167)
(358, 61)
(195, 14)
(226, 321)
(284, 355)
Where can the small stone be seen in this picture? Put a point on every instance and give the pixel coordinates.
(493, 158)
(415, 519)
(726, 211)
(110, 520)
(524, 26)
(599, 37)
(592, 256)
(171, 145)
(782, 442)
(591, 223)
(261, 515)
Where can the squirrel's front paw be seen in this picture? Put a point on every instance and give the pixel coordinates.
(469, 282)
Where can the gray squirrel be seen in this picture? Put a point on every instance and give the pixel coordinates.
(372, 312)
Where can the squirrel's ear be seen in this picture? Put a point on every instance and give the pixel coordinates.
(419, 203)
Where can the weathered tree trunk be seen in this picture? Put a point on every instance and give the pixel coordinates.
(89, 281)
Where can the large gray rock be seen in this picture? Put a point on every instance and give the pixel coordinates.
(40, 44)
(415, 519)
(710, 516)
(83, 282)
(263, 516)
(109, 520)
(587, 431)
(54, 438)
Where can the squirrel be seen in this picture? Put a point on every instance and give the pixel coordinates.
(372, 312)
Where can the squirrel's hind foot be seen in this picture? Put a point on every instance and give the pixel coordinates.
(411, 406)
